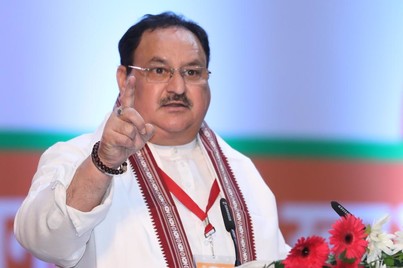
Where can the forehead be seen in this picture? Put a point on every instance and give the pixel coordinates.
(172, 45)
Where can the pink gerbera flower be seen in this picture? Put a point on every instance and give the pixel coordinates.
(311, 252)
(348, 239)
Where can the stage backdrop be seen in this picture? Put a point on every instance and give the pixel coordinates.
(310, 90)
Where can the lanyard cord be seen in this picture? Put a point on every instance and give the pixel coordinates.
(188, 202)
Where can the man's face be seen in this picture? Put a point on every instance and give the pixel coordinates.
(176, 119)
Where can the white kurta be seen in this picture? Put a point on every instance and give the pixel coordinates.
(119, 232)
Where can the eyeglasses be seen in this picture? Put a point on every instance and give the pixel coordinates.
(191, 75)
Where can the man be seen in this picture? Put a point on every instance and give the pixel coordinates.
(144, 190)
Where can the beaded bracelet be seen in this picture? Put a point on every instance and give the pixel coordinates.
(101, 166)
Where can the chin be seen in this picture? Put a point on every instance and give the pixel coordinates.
(176, 126)
(181, 132)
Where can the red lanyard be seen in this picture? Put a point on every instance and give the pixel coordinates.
(188, 202)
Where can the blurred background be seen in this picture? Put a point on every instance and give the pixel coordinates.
(310, 90)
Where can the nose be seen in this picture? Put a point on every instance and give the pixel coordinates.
(176, 83)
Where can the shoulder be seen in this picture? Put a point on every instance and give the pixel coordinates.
(81, 144)
(77, 147)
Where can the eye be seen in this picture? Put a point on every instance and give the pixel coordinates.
(192, 72)
(159, 71)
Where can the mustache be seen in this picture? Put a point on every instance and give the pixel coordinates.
(175, 98)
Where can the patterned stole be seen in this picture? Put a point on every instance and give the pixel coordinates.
(164, 214)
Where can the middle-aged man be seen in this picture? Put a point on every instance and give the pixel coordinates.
(144, 190)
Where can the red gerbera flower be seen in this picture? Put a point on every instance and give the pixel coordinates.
(341, 264)
(311, 252)
(348, 239)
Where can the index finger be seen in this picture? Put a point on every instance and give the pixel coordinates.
(127, 99)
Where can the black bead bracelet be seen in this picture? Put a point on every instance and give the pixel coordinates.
(101, 166)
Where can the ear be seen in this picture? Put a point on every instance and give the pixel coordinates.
(121, 77)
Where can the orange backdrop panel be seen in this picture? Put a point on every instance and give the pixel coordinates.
(297, 180)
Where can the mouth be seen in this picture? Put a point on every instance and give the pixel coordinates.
(175, 104)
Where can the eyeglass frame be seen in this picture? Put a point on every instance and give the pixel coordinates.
(172, 71)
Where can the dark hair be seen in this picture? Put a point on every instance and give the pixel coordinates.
(131, 39)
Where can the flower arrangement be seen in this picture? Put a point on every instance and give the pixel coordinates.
(351, 244)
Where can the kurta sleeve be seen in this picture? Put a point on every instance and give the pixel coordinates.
(44, 224)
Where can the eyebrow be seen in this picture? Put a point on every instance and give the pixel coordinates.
(195, 62)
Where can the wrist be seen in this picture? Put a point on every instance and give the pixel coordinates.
(104, 168)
